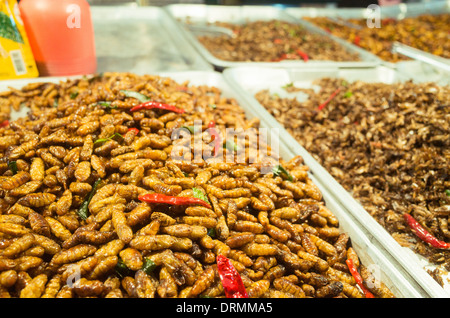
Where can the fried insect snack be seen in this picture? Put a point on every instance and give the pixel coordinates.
(274, 40)
(74, 223)
(426, 32)
(387, 144)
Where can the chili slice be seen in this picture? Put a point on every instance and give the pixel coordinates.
(4, 123)
(303, 55)
(423, 234)
(358, 278)
(152, 105)
(230, 278)
(213, 131)
(162, 198)
(325, 103)
(135, 130)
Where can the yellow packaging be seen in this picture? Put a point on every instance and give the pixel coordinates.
(16, 57)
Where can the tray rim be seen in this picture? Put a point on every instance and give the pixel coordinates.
(184, 48)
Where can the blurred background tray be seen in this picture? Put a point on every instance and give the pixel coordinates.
(203, 14)
(141, 40)
(397, 12)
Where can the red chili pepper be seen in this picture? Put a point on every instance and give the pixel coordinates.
(152, 105)
(277, 41)
(286, 56)
(303, 55)
(135, 130)
(357, 40)
(4, 123)
(325, 103)
(423, 234)
(182, 88)
(358, 278)
(162, 198)
(215, 133)
(230, 278)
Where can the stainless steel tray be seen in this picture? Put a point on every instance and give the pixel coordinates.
(370, 250)
(248, 81)
(413, 67)
(141, 39)
(201, 14)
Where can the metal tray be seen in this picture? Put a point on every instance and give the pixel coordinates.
(248, 81)
(370, 250)
(201, 14)
(398, 12)
(141, 39)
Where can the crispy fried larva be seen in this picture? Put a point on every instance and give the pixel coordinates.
(258, 289)
(72, 254)
(18, 246)
(39, 224)
(88, 288)
(332, 289)
(21, 150)
(35, 288)
(37, 200)
(285, 285)
(164, 219)
(25, 263)
(376, 286)
(139, 215)
(98, 165)
(240, 239)
(57, 229)
(160, 242)
(110, 249)
(65, 292)
(52, 287)
(199, 211)
(8, 278)
(132, 258)
(204, 280)
(12, 218)
(12, 229)
(248, 226)
(123, 230)
(256, 249)
(16, 180)
(83, 171)
(193, 232)
(24, 189)
(167, 287)
(241, 257)
(103, 267)
(146, 285)
(63, 204)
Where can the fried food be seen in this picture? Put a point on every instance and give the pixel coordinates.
(274, 40)
(426, 32)
(387, 144)
(81, 229)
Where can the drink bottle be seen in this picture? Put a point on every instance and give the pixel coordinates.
(61, 36)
